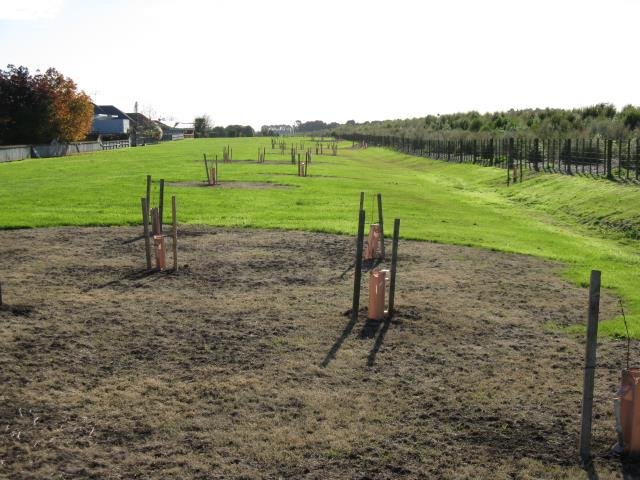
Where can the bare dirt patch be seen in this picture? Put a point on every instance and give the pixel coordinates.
(241, 364)
(247, 185)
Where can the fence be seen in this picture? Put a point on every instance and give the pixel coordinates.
(20, 152)
(596, 157)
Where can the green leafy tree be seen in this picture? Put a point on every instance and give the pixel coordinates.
(631, 117)
(41, 108)
(201, 126)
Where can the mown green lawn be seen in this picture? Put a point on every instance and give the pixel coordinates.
(585, 223)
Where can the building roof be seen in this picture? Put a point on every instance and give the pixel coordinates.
(140, 119)
(109, 111)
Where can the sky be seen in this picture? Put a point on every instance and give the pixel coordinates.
(257, 62)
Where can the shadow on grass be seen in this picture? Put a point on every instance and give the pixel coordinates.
(338, 343)
(371, 329)
(135, 275)
(378, 343)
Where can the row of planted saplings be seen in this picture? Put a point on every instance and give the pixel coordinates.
(154, 216)
(627, 398)
(333, 147)
(319, 150)
(282, 145)
(372, 255)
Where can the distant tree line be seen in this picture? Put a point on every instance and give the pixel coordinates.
(202, 129)
(299, 127)
(601, 120)
(41, 108)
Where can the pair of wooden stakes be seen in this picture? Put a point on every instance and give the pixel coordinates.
(377, 277)
(157, 234)
(303, 167)
(212, 171)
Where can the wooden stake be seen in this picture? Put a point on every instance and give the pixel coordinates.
(158, 240)
(155, 221)
(380, 222)
(174, 233)
(394, 263)
(145, 224)
(357, 276)
(206, 167)
(148, 190)
(161, 205)
(361, 200)
(589, 367)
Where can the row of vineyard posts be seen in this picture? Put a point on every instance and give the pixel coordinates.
(597, 157)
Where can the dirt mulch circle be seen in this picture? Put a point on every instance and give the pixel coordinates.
(242, 365)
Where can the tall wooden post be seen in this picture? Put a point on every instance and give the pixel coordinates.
(145, 225)
(148, 191)
(361, 200)
(609, 155)
(357, 276)
(394, 264)
(161, 204)
(381, 223)
(155, 222)
(589, 367)
(509, 160)
(174, 232)
(206, 167)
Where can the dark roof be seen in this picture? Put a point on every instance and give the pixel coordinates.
(110, 111)
(139, 118)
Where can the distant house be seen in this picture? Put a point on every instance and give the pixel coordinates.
(110, 121)
(144, 130)
(187, 128)
(179, 130)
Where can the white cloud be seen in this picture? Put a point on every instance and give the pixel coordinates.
(30, 9)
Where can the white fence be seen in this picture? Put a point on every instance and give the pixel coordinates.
(12, 153)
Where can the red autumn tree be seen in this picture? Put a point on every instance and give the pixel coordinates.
(41, 108)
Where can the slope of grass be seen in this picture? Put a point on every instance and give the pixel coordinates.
(596, 202)
(548, 216)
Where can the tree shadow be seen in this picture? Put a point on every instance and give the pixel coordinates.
(338, 343)
(378, 343)
(135, 275)
(629, 467)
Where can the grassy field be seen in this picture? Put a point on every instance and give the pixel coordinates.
(584, 223)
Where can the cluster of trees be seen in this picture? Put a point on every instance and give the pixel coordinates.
(41, 108)
(202, 127)
(598, 120)
(314, 126)
(276, 130)
(310, 127)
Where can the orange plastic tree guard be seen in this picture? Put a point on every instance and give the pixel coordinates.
(630, 409)
(377, 283)
(373, 242)
(161, 258)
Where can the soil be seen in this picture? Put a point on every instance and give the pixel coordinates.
(247, 185)
(242, 363)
